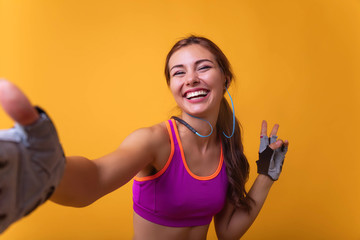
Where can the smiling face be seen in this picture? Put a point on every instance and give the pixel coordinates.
(196, 80)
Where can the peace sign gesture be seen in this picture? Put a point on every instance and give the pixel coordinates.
(271, 153)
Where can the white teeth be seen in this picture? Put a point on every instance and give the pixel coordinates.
(200, 93)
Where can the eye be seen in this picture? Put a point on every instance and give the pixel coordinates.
(178, 73)
(204, 68)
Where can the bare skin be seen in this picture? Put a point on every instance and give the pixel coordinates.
(146, 151)
(144, 229)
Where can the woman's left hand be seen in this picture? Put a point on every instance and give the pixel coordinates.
(271, 153)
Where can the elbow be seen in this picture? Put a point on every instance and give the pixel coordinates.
(79, 204)
(230, 234)
(228, 237)
(71, 203)
(73, 200)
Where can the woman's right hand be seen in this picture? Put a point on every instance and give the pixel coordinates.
(32, 161)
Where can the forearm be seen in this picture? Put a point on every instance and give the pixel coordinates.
(79, 184)
(259, 192)
(235, 222)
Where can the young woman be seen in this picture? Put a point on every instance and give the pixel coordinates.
(188, 169)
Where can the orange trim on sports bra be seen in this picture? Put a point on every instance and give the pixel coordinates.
(187, 167)
(158, 174)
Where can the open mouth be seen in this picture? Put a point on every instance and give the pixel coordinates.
(196, 94)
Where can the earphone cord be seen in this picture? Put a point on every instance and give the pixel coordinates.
(233, 111)
(191, 128)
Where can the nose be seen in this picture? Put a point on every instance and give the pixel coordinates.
(192, 78)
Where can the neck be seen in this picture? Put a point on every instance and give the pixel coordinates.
(201, 125)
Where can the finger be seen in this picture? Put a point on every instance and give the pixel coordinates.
(285, 146)
(274, 130)
(279, 143)
(16, 104)
(263, 128)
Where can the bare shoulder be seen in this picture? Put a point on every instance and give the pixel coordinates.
(160, 133)
(156, 146)
(150, 139)
(161, 143)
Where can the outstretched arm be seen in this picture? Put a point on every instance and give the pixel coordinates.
(32, 162)
(231, 223)
(85, 180)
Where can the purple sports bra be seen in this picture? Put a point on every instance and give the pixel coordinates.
(176, 197)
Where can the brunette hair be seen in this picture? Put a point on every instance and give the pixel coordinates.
(237, 165)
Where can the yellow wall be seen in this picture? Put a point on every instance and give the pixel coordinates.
(97, 67)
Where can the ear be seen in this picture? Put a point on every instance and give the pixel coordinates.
(227, 82)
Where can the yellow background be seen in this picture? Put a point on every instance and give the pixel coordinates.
(97, 67)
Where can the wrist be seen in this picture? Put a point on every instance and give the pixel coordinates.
(265, 179)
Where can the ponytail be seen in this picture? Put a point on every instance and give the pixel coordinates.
(237, 165)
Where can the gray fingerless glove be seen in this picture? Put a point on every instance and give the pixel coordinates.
(270, 161)
(31, 165)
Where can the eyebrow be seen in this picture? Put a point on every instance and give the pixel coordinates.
(197, 62)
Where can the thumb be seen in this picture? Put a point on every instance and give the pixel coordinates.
(16, 104)
(276, 145)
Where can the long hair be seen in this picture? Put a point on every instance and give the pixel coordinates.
(237, 166)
